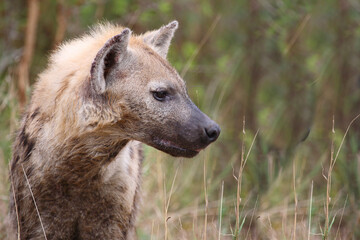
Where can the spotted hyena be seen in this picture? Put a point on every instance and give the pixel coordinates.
(75, 171)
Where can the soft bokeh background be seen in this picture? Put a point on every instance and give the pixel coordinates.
(282, 78)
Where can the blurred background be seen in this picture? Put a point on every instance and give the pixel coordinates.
(282, 78)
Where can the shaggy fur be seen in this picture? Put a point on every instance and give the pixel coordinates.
(78, 145)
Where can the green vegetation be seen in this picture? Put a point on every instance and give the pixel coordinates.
(268, 72)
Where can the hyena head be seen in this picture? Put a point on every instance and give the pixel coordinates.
(131, 74)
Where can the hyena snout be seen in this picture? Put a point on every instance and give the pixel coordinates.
(186, 138)
(208, 129)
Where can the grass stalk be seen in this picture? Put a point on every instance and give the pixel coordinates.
(17, 212)
(342, 214)
(206, 202)
(221, 208)
(329, 175)
(310, 209)
(295, 199)
(243, 161)
(32, 195)
(328, 183)
(167, 202)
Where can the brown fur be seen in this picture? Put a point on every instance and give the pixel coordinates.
(78, 141)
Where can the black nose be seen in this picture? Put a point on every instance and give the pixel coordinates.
(212, 132)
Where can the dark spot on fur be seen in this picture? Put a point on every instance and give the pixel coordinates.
(131, 152)
(112, 155)
(124, 232)
(22, 136)
(149, 52)
(115, 149)
(27, 144)
(63, 87)
(29, 171)
(121, 188)
(14, 161)
(35, 113)
(76, 234)
(141, 153)
(28, 149)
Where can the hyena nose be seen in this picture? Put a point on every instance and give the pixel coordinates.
(212, 132)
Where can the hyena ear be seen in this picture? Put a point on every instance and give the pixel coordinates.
(160, 39)
(106, 58)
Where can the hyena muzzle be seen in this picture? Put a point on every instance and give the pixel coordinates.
(75, 171)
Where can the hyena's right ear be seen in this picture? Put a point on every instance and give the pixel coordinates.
(160, 39)
(106, 58)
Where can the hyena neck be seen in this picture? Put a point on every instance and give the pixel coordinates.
(83, 158)
(80, 150)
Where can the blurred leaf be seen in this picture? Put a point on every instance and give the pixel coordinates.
(120, 7)
(165, 7)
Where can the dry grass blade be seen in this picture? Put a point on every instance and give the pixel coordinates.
(297, 33)
(239, 179)
(343, 139)
(251, 219)
(310, 208)
(16, 211)
(296, 201)
(221, 207)
(251, 146)
(206, 201)
(331, 167)
(152, 230)
(342, 214)
(328, 183)
(32, 195)
(203, 41)
(168, 202)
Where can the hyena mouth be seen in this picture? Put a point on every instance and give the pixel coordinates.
(174, 149)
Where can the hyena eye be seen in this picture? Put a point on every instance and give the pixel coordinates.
(160, 95)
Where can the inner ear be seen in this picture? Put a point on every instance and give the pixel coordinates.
(107, 58)
(109, 62)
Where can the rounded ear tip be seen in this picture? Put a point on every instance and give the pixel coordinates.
(126, 31)
(174, 24)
